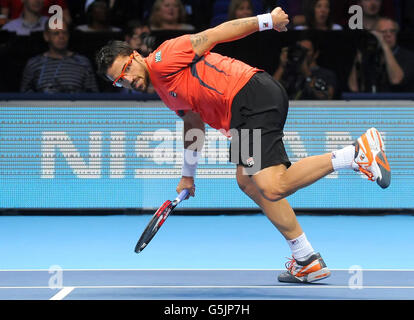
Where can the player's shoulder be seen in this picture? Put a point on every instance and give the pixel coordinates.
(170, 52)
(176, 44)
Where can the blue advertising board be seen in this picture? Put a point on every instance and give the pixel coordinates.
(128, 154)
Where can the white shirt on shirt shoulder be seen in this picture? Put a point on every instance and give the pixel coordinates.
(23, 28)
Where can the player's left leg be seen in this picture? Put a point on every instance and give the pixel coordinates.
(279, 213)
(276, 182)
(306, 265)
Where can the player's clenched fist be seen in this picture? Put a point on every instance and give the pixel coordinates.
(280, 19)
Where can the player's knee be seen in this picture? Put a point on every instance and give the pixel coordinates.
(243, 184)
(274, 192)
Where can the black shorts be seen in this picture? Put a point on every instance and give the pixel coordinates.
(258, 116)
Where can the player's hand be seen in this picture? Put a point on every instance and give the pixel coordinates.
(187, 183)
(280, 19)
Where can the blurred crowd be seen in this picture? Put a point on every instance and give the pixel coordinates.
(57, 64)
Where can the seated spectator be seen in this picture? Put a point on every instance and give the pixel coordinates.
(318, 16)
(240, 9)
(198, 13)
(222, 8)
(58, 70)
(31, 19)
(384, 68)
(122, 11)
(97, 16)
(77, 11)
(371, 12)
(136, 37)
(14, 8)
(340, 8)
(294, 8)
(301, 76)
(169, 15)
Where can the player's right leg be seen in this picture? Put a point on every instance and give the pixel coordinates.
(306, 265)
(279, 213)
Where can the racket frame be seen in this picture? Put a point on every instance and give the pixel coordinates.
(158, 220)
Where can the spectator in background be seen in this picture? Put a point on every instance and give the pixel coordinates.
(139, 38)
(58, 70)
(294, 8)
(199, 13)
(220, 10)
(169, 15)
(97, 16)
(371, 12)
(386, 67)
(340, 8)
(137, 35)
(12, 9)
(240, 9)
(318, 16)
(77, 11)
(300, 74)
(31, 19)
(120, 11)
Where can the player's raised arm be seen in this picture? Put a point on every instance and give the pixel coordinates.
(239, 28)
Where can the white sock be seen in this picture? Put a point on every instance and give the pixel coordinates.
(301, 248)
(343, 158)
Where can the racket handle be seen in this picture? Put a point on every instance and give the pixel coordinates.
(183, 194)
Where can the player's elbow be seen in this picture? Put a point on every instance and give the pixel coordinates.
(204, 41)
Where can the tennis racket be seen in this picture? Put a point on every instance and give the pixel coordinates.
(157, 220)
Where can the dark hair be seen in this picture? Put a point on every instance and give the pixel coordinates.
(309, 10)
(131, 26)
(310, 36)
(91, 8)
(234, 5)
(107, 55)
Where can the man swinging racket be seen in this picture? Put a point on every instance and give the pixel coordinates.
(241, 101)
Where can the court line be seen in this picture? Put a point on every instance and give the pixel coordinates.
(62, 293)
(70, 289)
(43, 270)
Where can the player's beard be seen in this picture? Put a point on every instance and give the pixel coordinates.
(142, 83)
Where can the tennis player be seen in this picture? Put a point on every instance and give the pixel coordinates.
(240, 100)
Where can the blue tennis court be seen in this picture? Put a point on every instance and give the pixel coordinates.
(69, 156)
(201, 285)
(200, 257)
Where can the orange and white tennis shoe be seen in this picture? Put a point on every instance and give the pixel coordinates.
(311, 270)
(370, 158)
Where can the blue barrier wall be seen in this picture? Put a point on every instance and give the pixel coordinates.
(128, 154)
